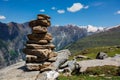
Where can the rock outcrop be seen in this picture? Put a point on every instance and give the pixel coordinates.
(39, 49)
(19, 72)
(101, 55)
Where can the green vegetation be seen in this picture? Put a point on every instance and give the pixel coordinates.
(107, 70)
(88, 77)
(92, 52)
(102, 39)
(95, 73)
(100, 72)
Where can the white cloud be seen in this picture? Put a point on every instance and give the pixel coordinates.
(61, 11)
(86, 7)
(2, 17)
(118, 12)
(53, 8)
(42, 10)
(75, 7)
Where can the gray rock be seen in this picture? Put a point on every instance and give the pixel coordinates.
(81, 56)
(70, 66)
(41, 77)
(96, 62)
(48, 75)
(117, 56)
(118, 46)
(101, 55)
(62, 57)
(18, 72)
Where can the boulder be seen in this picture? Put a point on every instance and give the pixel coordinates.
(39, 29)
(52, 75)
(36, 59)
(37, 66)
(34, 23)
(41, 53)
(34, 66)
(118, 46)
(48, 75)
(41, 77)
(70, 66)
(53, 59)
(38, 37)
(37, 46)
(42, 16)
(62, 57)
(101, 55)
(81, 56)
(42, 42)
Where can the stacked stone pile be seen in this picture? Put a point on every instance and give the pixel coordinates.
(39, 49)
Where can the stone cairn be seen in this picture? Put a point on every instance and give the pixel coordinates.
(39, 49)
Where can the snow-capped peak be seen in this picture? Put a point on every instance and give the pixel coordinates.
(91, 28)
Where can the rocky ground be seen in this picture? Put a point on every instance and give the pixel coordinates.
(19, 72)
(96, 62)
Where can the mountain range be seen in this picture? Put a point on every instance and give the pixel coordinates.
(13, 37)
(108, 37)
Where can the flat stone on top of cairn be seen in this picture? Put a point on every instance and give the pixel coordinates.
(39, 49)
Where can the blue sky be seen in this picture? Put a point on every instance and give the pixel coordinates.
(62, 12)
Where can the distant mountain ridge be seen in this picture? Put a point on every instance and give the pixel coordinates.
(13, 37)
(64, 35)
(109, 37)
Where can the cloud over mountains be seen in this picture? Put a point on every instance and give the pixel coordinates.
(2, 17)
(76, 7)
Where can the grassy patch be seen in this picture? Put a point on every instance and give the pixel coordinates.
(87, 77)
(107, 38)
(95, 73)
(92, 52)
(107, 70)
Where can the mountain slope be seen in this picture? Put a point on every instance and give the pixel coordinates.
(109, 37)
(12, 36)
(63, 35)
